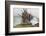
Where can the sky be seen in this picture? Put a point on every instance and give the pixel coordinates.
(33, 11)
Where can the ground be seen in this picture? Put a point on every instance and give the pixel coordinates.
(26, 25)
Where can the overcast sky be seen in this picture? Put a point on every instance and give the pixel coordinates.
(33, 11)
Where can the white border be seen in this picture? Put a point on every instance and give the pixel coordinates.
(27, 28)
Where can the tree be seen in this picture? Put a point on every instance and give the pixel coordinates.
(25, 16)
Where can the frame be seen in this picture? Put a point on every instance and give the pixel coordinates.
(9, 5)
